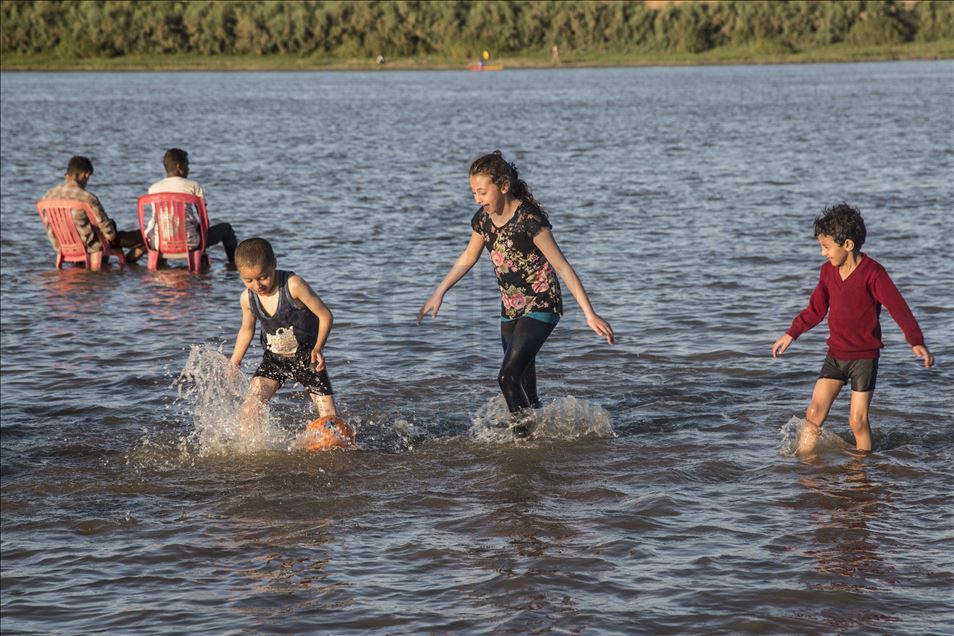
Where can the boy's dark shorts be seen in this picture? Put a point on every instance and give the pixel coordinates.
(283, 368)
(862, 373)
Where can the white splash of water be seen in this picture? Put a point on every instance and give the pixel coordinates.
(218, 392)
(385, 432)
(563, 418)
(795, 430)
(406, 433)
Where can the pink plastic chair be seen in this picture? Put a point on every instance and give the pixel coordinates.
(57, 214)
(169, 210)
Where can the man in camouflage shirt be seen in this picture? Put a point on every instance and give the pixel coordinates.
(78, 172)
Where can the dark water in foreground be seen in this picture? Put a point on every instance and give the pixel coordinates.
(661, 496)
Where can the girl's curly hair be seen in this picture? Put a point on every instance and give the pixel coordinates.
(842, 222)
(502, 171)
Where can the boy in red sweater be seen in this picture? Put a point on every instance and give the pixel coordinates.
(851, 289)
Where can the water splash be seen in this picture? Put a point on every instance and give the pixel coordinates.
(218, 391)
(212, 393)
(386, 433)
(563, 418)
(793, 431)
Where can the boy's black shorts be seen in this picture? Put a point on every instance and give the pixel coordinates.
(283, 368)
(862, 373)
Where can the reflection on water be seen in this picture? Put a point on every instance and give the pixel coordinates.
(291, 569)
(844, 546)
(65, 283)
(848, 558)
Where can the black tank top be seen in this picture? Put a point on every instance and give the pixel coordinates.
(292, 328)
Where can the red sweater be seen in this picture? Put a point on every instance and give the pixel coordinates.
(853, 306)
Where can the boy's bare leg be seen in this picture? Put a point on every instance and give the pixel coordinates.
(325, 404)
(823, 396)
(260, 391)
(858, 419)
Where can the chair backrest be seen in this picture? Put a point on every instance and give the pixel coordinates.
(58, 215)
(169, 212)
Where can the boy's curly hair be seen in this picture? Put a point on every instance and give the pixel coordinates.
(842, 222)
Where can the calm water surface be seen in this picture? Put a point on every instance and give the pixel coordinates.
(661, 495)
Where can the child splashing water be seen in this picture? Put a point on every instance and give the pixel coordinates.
(295, 326)
(526, 259)
(851, 289)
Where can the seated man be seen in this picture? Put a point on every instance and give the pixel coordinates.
(176, 163)
(78, 172)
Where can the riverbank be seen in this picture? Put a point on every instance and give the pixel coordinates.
(762, 53)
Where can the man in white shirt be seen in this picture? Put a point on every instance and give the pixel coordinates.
(176, 162)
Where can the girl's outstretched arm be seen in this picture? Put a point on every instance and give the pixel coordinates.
(467, 259)
(547, 244)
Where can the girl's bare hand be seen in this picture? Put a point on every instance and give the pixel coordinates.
(601, 327)
(432, 305)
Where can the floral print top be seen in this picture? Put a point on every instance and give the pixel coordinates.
(527, 281)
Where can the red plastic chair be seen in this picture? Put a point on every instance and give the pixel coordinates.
(169, 210)
(57, 214)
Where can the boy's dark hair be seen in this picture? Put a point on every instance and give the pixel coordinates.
(842, 222)
(174, 157)
(254, 251)
(502, 171)
(79, 165)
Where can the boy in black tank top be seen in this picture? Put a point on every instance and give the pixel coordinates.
(295, 327)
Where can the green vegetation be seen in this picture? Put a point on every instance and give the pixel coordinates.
(241, 34)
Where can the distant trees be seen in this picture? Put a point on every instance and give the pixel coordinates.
(453, 28)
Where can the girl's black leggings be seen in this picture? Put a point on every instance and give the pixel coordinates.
(522, 339)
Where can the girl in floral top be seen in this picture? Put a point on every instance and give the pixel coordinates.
(516, 232)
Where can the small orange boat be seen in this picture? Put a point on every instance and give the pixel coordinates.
(480, 66)
(483, 64)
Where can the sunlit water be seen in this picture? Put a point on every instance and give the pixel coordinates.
(660, 494)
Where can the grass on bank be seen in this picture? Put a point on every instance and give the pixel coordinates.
(759, 53)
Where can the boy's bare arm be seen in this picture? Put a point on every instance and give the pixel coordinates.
(246, 332)
(303, 293)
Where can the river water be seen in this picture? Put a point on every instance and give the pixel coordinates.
(660, 494)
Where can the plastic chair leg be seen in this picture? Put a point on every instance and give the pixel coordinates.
(59, 260)
(153, 262)
(95, 261)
